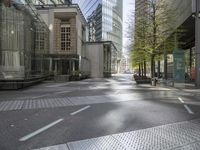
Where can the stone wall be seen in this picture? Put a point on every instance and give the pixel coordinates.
(57, 37)
(73, 35)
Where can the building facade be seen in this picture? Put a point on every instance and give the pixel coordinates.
(67, 36)
(104, 20)
(182, 10)
(23, 45)
(51, 2)
(101, 58)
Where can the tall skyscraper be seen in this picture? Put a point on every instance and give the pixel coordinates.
(104, 20)
(141, 10)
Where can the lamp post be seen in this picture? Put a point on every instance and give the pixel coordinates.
(196, 11)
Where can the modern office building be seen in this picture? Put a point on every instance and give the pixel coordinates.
(104, 20)
(101, 56)
(141, 7)
(23, 45)
(184, 19)
(52, 2)
(141, 14)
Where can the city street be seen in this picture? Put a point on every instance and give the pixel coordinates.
(94, 114)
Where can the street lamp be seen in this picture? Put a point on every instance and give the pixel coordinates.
(196, 14)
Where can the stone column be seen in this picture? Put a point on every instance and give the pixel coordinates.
(50, 65)
(57, 35)
(73, 36)
(197, 44)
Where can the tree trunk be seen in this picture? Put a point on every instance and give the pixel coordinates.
(145, 69)
(158, 69)
(165, 65)
(142, 69)
(139, 70)
(152, 66)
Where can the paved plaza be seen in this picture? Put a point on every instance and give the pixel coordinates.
(99, 114)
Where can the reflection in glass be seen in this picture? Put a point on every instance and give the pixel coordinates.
(23, 42)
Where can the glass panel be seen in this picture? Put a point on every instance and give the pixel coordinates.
(24, 42)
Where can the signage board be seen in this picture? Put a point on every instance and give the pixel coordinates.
(179, 66)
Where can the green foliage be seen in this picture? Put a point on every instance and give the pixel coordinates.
(155, 32)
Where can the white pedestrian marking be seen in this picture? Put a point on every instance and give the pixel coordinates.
(188, 109)
(181, 100)
(80, 110)
(40, 130)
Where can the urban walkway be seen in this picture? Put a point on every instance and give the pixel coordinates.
(178, 136)
(102, 114)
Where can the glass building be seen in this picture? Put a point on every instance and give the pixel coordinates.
(51, 2)
(23, 43)
(104, 20)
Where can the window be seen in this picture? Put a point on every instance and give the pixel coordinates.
(65, 37)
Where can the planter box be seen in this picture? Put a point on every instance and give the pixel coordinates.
(61, 78)
(142, 80)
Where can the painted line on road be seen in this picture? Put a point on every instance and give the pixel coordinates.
(116, 92)
(188, 109)
(62, 92)
(80, 110)
(181, 100)
(40, 96)
(56, 85)
(40, 130)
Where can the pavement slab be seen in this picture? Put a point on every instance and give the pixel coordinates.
(177, 136)
(102, 114)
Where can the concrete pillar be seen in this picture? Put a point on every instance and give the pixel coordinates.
(109, 60)
(73, 65)
(51, 34)
(190, 61)
(197, 44)
(50, 64)
(56, 70)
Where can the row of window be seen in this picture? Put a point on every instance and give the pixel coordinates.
(65, 38)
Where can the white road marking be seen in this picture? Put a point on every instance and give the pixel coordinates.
(40, 130)
(62, 92)
(80, 110)
(181, 100)
(116, 92)
(56, 85)
(188, 109)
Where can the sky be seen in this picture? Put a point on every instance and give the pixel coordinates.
(128, 7)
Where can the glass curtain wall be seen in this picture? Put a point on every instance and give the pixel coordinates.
(112, 22)
(40, 61)
(104, 20)
(114, 57)
(18, 43)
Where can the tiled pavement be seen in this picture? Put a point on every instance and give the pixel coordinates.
(70, 101)
(177, 136)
